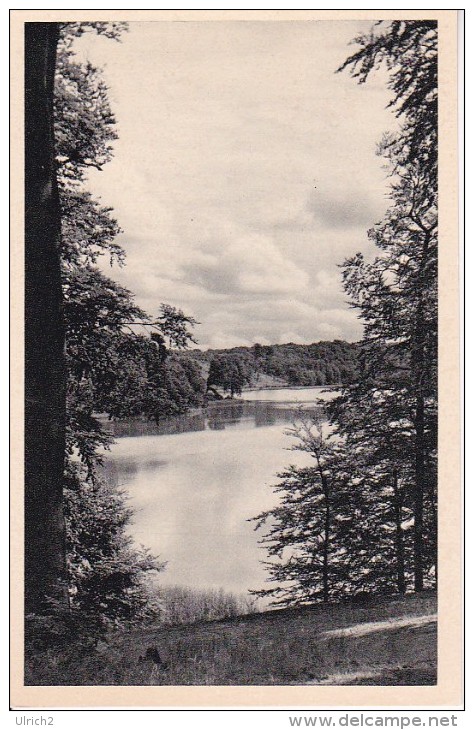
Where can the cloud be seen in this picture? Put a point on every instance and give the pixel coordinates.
(276, 321)
(347, 206)
(250, 264)
(244, 173)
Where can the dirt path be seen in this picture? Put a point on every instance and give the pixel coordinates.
(407, 670)
(382, 676)
(372, 626)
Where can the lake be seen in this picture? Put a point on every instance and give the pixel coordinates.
(195, 480)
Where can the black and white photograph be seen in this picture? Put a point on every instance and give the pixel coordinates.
(232, 345)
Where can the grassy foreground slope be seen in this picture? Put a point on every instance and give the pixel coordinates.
(385, 641)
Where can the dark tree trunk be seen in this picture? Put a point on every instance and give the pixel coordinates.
(327, 527)
(44, 332)
(399, 542)
(431, 489)
(419, 372)
(418, 506)
(326, 552)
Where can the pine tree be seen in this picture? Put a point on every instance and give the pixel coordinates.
(382, 468)
(397, 293)
(394, 404)
(303, 534)
(342, 526)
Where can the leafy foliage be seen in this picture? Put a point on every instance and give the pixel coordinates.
(174, 324)
(108, 574)
(88, 230)
(184, 386)
(409, 49)
(302, 535)
(84, 123)
(229, 372)
(112, 30)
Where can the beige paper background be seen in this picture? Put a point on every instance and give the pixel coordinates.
(448, 691)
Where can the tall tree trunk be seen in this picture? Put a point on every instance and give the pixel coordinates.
(419, 373)
(327, 526)
(399, 543)
(326, 551)
(44, 332)
(430, 489)
(418, 505)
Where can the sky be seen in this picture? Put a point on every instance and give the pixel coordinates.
(245, 172)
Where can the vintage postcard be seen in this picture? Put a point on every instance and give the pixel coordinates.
(236, 429)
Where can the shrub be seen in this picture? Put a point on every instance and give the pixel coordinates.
(182, 605)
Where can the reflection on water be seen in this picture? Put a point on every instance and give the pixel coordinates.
(255, 408)
(195, 480)
(301, 395)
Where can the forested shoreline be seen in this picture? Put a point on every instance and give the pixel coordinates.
(319, 363)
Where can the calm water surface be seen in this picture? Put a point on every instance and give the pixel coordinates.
(195, 480)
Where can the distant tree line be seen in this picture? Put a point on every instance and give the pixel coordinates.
(321, 363)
